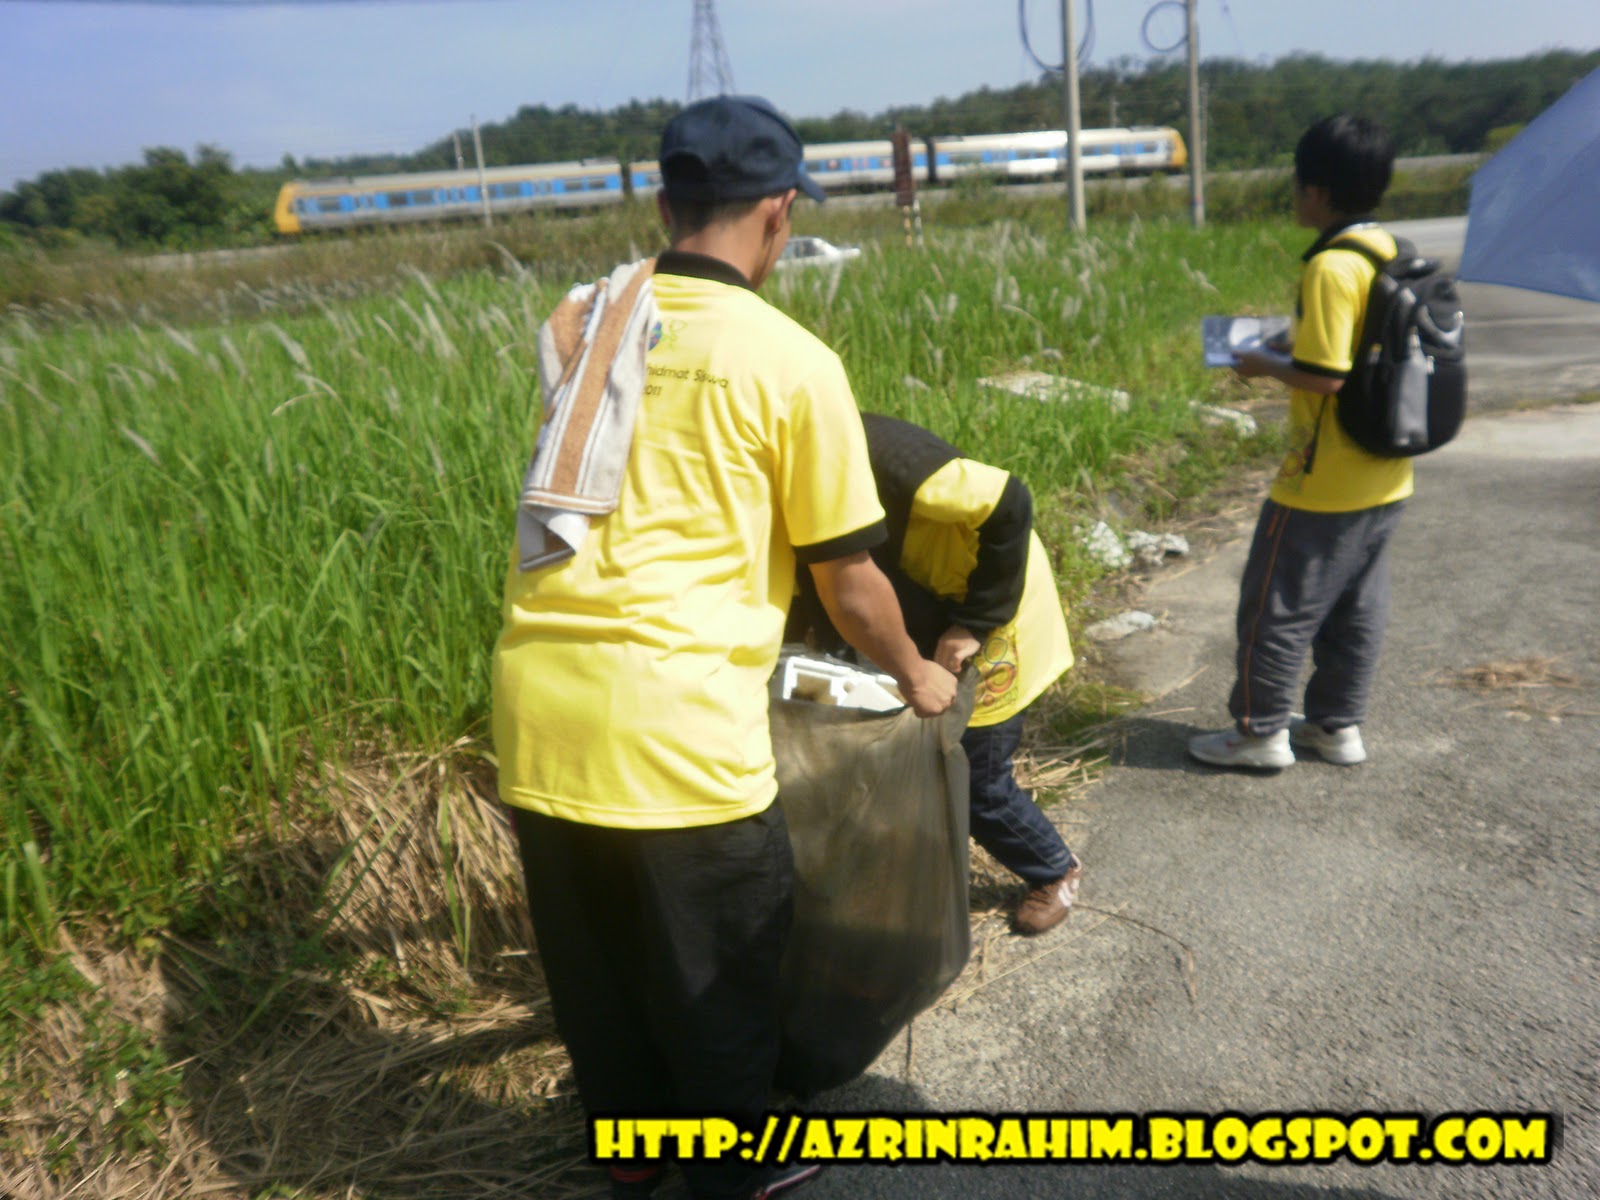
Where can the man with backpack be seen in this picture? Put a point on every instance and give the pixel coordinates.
(1317, 577)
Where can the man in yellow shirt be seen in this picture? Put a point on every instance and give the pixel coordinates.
(630, 680)
(1317, 578)
(975, 584)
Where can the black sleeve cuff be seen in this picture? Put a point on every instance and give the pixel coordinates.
(1313, 369)
(844, 545)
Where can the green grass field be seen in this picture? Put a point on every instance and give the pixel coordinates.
(230, 546)
(249, 580)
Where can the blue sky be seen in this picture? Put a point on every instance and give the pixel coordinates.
(92, 84)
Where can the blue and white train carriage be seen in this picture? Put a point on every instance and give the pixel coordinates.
(350, 202)
(1036, 155)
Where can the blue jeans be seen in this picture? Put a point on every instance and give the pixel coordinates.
(1005, 820)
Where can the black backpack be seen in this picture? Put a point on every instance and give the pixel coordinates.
(1406, 392)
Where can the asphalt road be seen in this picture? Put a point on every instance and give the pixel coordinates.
(1417, 934)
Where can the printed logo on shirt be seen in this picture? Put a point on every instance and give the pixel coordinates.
(666, 331)
(1292, 471)
(997, 670)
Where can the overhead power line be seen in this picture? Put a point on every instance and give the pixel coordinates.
(1154, 14)
(1085, 44)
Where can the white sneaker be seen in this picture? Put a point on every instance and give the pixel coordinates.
(1341, 747)
(1230, 748)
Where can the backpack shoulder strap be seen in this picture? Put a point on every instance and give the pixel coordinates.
(1365, 328)
(1367, 252)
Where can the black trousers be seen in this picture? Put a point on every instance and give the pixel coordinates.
(1316, 582)
(662, 950)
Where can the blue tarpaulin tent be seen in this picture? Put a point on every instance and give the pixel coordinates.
(1534, 219)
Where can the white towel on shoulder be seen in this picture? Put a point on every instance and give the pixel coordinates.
(592, 372)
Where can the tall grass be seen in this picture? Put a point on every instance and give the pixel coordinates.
(227, 548)
(1118, 310)
(231, 548)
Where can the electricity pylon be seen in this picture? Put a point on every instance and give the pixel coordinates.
(709, 72)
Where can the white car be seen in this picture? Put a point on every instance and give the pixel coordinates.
(815, 252)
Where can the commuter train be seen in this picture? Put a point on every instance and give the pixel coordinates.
(350, 202)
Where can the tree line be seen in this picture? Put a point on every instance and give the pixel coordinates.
(1254, 113)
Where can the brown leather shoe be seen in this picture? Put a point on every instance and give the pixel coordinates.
(1046, 907)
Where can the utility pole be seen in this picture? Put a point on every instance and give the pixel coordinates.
(455, 136)
(1197, 149)
(1069, 73)
(483, 186)
(905, 186)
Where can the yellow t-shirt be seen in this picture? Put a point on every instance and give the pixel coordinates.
(630, 682)
(1029, 652)
(1333, 303)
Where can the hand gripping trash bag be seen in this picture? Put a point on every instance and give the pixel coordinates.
(876, 805)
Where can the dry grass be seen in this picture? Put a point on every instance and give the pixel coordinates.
(387, 1032)
(1514, 673)
(1532, 683)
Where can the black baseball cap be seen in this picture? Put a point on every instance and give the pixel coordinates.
(732, 148)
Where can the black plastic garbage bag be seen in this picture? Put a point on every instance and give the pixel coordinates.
(876, 805)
